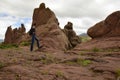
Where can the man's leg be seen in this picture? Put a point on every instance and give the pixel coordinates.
(38, 44)
(32, 42)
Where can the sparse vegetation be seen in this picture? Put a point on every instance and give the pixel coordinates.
(5, 46)
(10, 55)
(81, 53)
(2, 65)
(44, 72)
(59, 74)
(47, 59)
(25, 43)
(118, 72)
(85, 62)
(85, 38)
(112, 50)
(18, 77)
(95, 49)
(79, 61)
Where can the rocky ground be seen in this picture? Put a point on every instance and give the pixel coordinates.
(21, 64)
(97, 59)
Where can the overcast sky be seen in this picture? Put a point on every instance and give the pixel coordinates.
(82, 13)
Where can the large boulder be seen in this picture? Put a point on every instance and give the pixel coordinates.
(105, 34)
(71, 35)
(110, 27)
(48, 31)
(15, 36)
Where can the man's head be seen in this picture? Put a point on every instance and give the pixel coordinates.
(34, 25)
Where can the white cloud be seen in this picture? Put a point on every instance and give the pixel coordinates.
(22, 8)
(80, 25)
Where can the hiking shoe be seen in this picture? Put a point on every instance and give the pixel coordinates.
(41, 46)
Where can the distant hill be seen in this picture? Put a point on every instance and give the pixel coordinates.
(83, 34)
(84, 37)
(1, 40)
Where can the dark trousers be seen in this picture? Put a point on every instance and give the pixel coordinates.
(32, 42)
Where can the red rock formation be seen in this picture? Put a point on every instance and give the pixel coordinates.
(110, 27)
(8, 35)
(22, 29)
(41, 15)
(105, 34)
(15, 35)
(71, 35)
(48, 30)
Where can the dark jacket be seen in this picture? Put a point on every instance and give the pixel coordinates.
(32, 31)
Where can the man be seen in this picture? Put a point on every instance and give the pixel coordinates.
(32, 33)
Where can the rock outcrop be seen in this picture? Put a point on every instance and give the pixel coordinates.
(15, 36)
(48, 31)
(105, 34)
(8, 35)
(71, 35)
(110, 27)
(42, 15)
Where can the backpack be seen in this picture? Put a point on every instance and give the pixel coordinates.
(30, 32)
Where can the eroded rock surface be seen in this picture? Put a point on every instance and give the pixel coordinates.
(71, 35)
(15, 36)
(110, 27)
(48, 30)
